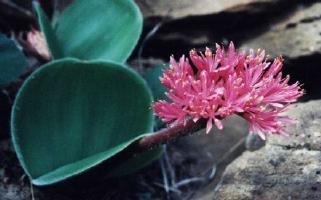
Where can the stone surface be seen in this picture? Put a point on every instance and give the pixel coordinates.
(197, 158)
(287, 28)
(296, 35)
(254, 142)
(178, 9)
(204, 151)
(286, 168)
(12, 185)
(306, 134)
(273, 173)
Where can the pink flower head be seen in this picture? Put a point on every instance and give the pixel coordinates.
(36, 41)
(216, 85)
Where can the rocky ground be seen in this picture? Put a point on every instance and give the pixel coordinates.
(220, 165)
(285, 168)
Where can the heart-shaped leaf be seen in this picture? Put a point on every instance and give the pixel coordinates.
(99, 29)
(12, 61)
(70, 116)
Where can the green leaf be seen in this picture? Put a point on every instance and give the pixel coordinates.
(12, 61)
(152, 78)
(101, 29)
(51, 39)
(70, 116)
(158, 90)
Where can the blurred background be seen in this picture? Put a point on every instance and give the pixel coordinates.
(201, 166)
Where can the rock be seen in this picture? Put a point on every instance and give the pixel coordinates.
(254, 142)
(176, 9)
(306, 134)
(14, 192)
(200, 156)
(276, 27)
(286, 168)
(250, 24)
(272, 173)
(203, 151)
(296, 35)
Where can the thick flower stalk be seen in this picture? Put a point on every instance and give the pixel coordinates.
(213, 86)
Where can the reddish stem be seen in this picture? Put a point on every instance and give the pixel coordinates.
(166, 134)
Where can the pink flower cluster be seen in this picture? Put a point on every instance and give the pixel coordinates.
(37, 43)
(215, 86)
